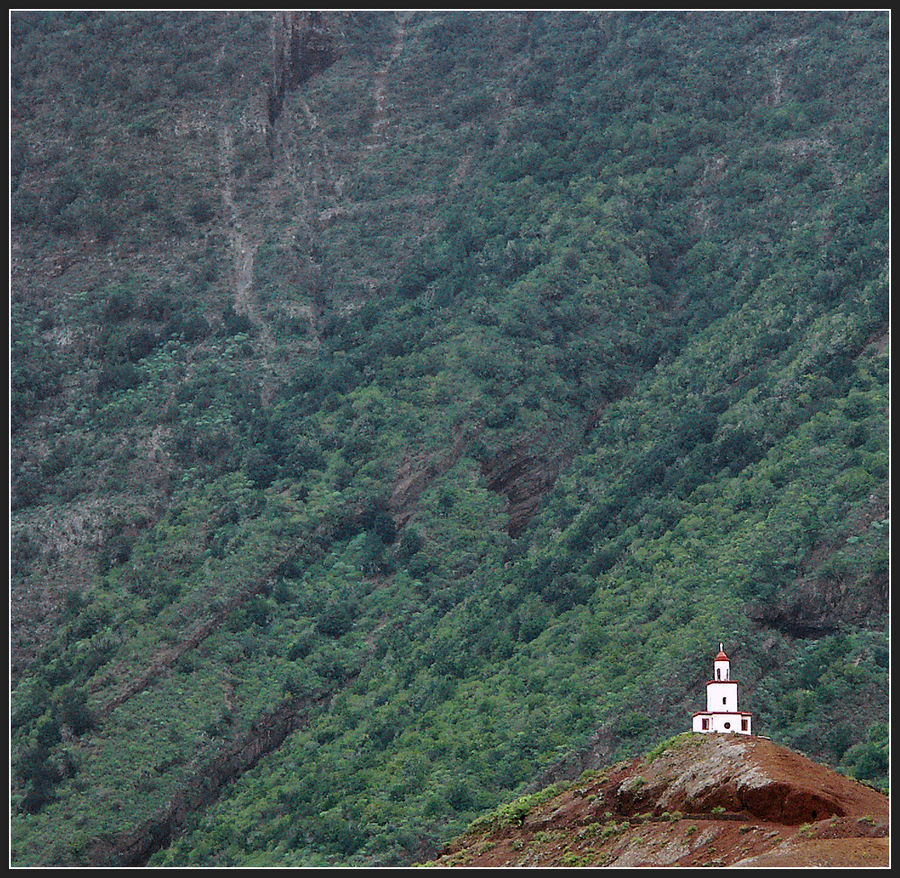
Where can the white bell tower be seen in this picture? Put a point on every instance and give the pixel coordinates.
(721, 665)
(722, 714)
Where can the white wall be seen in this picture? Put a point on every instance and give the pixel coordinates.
(723, 722)
(722, 696)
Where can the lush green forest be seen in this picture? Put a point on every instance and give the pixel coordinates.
(404, 404)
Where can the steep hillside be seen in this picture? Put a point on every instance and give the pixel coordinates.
(697, 800)
(403, 403)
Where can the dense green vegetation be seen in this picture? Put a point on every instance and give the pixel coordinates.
(561, 356)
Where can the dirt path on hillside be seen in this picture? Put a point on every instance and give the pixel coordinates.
(243, 248)
(379, 90)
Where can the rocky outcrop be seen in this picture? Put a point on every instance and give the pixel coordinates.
(825, 605)
(526, 470)
(705, 800)
(417, 472)
(818, 602)
(303, 44)
(524, 474)
(743, 774)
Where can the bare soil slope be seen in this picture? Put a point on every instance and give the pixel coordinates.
(705, 800)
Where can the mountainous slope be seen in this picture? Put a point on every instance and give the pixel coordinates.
(401, 405)
(696, 800)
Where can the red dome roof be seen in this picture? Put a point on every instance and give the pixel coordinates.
(721, 657)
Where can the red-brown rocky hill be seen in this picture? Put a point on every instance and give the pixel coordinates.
(698, 800)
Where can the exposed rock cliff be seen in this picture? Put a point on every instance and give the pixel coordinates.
(523, 474)
(823, 599)
(303, 44)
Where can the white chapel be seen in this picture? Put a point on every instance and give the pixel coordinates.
(722, 714)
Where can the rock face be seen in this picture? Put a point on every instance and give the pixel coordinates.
(744, 774)
(418, 472)
(704, 800)
(825, 605)
(303, 44)
(524, 474)
(820, 602)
